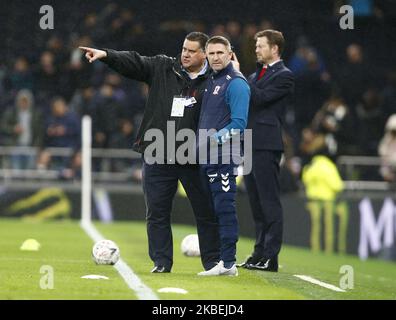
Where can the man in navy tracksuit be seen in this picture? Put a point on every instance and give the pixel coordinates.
(224, 108)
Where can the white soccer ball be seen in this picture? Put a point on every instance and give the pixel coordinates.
(190, 246)
(105, 252)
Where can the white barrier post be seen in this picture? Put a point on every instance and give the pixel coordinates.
(86, 169)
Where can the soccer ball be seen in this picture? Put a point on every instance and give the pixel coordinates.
(190, 246)
(105, 252)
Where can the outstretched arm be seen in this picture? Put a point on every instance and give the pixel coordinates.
(128, 63)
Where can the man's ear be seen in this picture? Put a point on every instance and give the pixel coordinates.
(275, 49)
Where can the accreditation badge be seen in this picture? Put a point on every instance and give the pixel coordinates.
(178, 106)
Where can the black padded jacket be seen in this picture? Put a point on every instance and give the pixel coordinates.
(166, 79)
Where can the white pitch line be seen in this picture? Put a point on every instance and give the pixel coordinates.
(132, 280)
(319, 283)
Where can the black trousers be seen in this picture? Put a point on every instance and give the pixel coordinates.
(160, 183)
(263, 188)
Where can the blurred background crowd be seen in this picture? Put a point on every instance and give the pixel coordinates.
(345, 97)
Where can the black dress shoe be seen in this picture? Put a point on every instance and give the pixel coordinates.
(264, 265)
(251, 260)
(160, 269)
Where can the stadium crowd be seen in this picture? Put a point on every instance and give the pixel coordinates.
(345, 79)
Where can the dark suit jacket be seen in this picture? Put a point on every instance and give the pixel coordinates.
(269, 99)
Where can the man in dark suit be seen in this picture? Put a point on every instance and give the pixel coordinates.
(272, 87)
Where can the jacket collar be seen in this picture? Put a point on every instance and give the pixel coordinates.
(229, 68)
(178, 69)
(270, 71)
(276, 66)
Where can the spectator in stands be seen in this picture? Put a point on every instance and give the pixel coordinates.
(57, 47)
(312, 86)
(83, 102)
(369, 130)
(79, 73)
(335, 122)
(370, 122)
(303, 54)
(312, 142)
(115, 81)
(354, 75)
(62, 130)
(105, 116)
(123, 139)
(387, 150)
(21, 126)
(46, 77)
(136, 99)
(125, 136)
(21, 76)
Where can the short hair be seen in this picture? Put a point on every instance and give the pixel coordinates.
(274, 38)
(200, 37)
(56, 99)
(221, 40)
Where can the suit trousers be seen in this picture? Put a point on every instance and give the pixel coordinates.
(263, 188)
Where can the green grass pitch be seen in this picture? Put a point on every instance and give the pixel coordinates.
(67, 249)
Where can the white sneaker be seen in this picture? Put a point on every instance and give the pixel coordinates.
(219, 270)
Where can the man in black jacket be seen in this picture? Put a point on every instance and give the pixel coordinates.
(171, 80)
